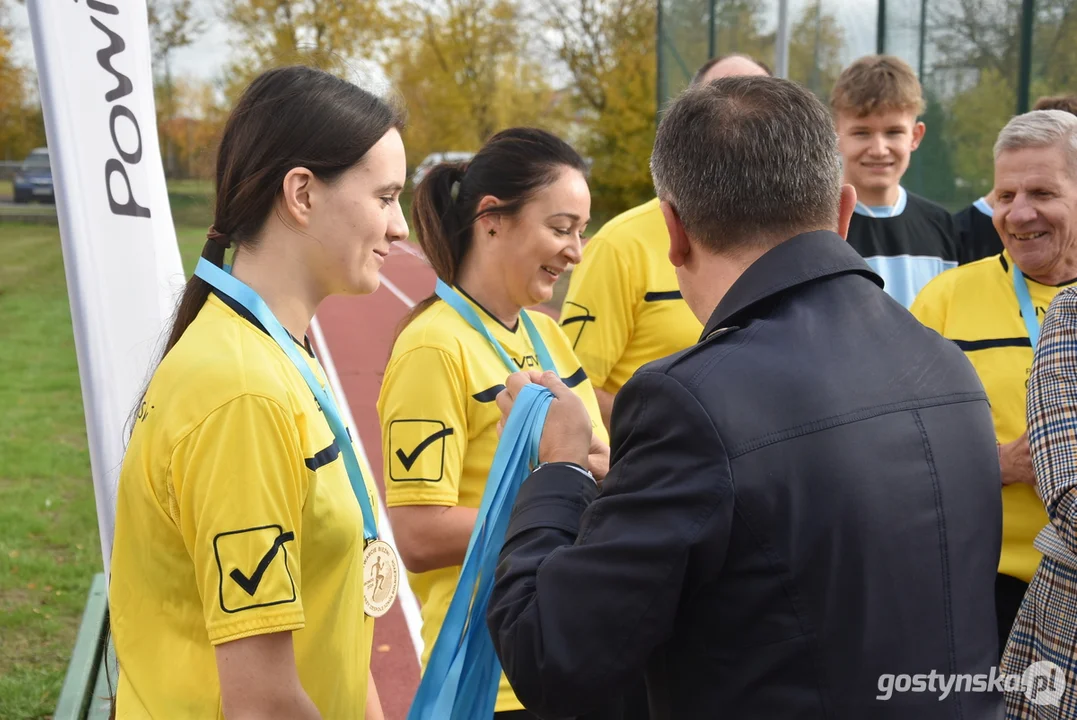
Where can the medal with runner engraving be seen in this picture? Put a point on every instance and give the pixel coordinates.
(381, 578)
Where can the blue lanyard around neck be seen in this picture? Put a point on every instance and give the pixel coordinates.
(249, 299)
(1028, 310)
(461, 306)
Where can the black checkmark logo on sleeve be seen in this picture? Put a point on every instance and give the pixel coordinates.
(408, 460)
(250, 584)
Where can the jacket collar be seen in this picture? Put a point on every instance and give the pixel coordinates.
(797, 261)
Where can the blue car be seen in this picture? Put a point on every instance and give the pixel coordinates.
(33, 181)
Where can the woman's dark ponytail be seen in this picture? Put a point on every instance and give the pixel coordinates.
(443, 235)
(435, 213)
(197, 290)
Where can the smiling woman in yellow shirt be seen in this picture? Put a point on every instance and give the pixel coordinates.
(498, 232)
(237, 585)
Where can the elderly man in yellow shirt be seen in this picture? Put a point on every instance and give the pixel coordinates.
(992, 309)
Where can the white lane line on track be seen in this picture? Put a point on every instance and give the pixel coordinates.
(407, 247)
(408, 603)
(396, 291)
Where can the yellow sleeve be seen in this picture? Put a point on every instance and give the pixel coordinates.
(598, 313)
(423, 415)
(932, 302)
(239, 484)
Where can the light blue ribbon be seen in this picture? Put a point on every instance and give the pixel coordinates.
(462, 676)
(1028, 310)
(461, 306)
(248, 298)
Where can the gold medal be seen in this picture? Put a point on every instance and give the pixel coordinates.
(381, 578)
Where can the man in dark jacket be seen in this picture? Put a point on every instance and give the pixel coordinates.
(801, 514)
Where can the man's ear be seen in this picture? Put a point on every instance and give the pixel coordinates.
(295, 195)
(679, 247)
(846, 205)
(918, 131)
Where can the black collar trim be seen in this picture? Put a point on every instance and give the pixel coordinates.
(246, 314)
(493, 317)
(1006, 269)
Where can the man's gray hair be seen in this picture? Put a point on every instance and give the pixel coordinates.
(748, 161)
(1041, 128)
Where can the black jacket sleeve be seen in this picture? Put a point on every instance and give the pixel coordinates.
(586, 590)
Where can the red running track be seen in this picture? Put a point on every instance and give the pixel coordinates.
(358, 334)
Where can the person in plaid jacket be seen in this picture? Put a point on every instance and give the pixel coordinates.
(1042, 646)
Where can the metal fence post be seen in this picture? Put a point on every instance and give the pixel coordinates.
(1024, 71)
(880, 29)
(781, 49)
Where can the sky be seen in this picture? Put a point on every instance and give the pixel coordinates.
(205, 58)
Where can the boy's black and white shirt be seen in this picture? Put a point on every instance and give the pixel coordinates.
(907, 244)
(976, 234)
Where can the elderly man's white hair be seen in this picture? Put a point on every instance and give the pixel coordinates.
(1041, 128)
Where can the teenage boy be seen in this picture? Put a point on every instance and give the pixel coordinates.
(905, 238)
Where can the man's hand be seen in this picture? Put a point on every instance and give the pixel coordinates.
(1015, 461)
(567, 434)
(598, 458)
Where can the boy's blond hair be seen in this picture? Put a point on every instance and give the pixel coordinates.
(877, 83)
(1066, 103)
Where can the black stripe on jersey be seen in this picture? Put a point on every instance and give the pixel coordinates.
(659, 296)
(323, 457)
(577, 319)
(489, 394)
(575, 379)
(972, 345)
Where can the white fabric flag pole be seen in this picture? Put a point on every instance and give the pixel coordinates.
(121, 259)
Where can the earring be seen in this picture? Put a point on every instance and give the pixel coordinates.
(493, 232)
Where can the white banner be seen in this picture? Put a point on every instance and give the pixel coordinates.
(120, 254)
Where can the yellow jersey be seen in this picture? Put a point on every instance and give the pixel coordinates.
(624, 308)
(975, 306)
(234, 518)
(439, 420)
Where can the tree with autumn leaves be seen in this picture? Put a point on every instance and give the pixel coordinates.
(463, 69)
(21, 124)
(585, 69)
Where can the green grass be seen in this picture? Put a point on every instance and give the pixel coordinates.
(190, 241)
(7, 190)
(35, 209)
(192, 203)
(49, 545)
